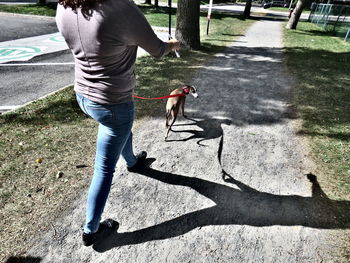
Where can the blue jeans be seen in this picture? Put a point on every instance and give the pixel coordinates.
(114, 139)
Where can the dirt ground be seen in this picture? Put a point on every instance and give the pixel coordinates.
(231, 184)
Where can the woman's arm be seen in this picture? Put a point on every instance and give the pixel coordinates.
(141, 34)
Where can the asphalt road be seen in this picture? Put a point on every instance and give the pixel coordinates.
(16, 27)
(22, 84)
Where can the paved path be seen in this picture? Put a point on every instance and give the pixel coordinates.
(181, 210)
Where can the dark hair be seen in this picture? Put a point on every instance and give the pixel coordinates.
(83, 4)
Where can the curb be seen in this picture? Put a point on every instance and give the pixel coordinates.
(34, 101)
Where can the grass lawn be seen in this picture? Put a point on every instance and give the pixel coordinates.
(275, 8)
(48, 146)
(323, 98)
(286, 9)
(320, 64)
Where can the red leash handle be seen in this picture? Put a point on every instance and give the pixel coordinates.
(159, 98)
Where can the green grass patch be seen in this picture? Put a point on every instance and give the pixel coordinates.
(35, 9)
(48, 146)
(320, 63)
(275, 8)
(286, 9)
(159, 16)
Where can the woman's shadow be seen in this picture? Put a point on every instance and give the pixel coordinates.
(243, 206)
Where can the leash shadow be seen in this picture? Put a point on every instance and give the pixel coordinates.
(210, 128)
(242, 206)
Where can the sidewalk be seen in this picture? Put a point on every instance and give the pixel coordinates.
(181, 210)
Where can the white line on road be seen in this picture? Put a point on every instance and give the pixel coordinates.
(37, 64)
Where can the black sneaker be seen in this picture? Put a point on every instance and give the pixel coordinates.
(140, 163)
(106, 226)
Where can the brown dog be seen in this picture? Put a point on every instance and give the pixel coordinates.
(174, 104)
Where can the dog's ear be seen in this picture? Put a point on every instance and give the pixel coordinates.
(193, 89)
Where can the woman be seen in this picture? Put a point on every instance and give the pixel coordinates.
(103, 36)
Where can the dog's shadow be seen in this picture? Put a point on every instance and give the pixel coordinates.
(210, 128)
(243, 206)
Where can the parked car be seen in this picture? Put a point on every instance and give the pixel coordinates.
(274, 3)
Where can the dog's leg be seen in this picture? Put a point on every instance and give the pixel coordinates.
(171, 124)
(167, 133)
(183, 107)
(167, 118)
(168, 114)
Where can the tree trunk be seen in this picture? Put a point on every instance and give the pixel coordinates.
(148, 2)
(187, 25)
(248, 6)
(294, 18)
(156, 3)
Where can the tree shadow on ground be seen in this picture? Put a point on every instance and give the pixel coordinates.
(257, 86)
(243, 206)
(323, 97)
(270, 17)
(247, 86)
(232, 35)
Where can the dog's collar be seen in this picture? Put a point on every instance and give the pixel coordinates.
(186, 90)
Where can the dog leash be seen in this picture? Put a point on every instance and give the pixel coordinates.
(160, 98)
(185, 91)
